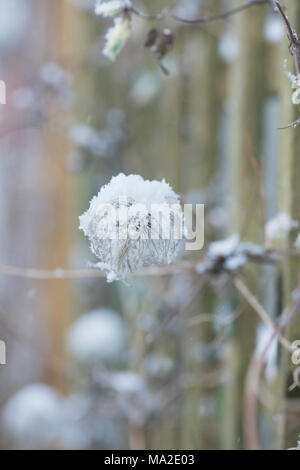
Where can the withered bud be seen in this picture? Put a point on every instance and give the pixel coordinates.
(151, 38)
(164, 43)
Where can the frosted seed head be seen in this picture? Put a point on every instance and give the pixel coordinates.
(141, 226)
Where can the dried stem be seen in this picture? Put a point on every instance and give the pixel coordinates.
(221, 16)
(294, 45)
(254, 375)
(252, 300)
(199, 268)
(167, 12)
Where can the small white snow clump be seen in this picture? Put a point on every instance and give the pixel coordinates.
(229, 250)
(32, 415)
(111, 8)
(229, 47)
(278, 228)
(224, 248)
(274, 29)
(133, 223)
(118, 34)
(97, 336)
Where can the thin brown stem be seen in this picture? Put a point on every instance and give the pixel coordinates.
(205, 19)
(259, 309)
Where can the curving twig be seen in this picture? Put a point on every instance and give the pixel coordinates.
(167, 12)
(252, 300)
(221, 16)
(255, 371)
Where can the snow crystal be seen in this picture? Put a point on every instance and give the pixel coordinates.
(236, 261)
(127, 382)
(32, 415)
(111, 8)
(278, 228)
(54, 75)
(274, 29)
(145, 88)
(97, 336)
(120, 256)
(88, 138)
(224, 248)
(158, 365)
(229, 47)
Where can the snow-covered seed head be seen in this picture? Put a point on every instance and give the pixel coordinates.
(278, 229)
(116, 37)
(133, 223)
(32, 416)
(97, 336)
(112, 8)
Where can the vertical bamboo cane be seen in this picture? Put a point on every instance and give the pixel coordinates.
(246, 88)
(61, 19)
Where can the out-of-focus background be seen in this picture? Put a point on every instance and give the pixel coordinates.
(162, 363)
